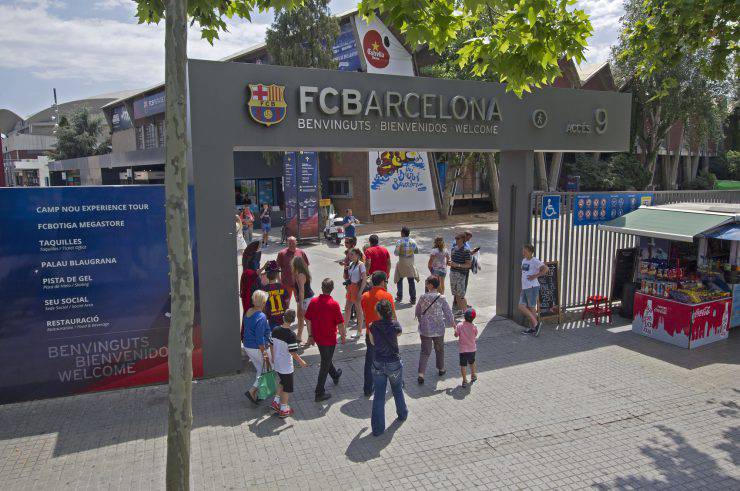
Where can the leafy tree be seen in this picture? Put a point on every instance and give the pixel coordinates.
(518, 40)
(671, 30)
(679, 93)
(78, 135)
(304, 36)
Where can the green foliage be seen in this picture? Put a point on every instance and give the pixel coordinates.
(304, 36)
(517, 41)
(727, 185)
(705, 180)
(622, 172)
(78, 135)
(733, 164)
(673, 29)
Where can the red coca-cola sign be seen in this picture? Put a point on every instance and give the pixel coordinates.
(375, 52)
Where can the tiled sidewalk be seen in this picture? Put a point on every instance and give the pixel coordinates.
(578, 407)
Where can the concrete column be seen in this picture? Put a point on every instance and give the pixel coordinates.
(516, 175)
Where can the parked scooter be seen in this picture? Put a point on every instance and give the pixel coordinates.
(334, 228)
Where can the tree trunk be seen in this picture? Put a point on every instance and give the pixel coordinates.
(675, 162)
(492, 179)
(705, 159)
(180, 346)
(555, 165)
(541, 171)
(695, 164)
(434, 171)
(652, 161)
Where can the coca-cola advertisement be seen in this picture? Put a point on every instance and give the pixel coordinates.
(688, 326)
(711, 322)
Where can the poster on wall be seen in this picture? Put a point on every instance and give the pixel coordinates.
(85, 291)
(589, 209)
(400, 182)
(382, 51)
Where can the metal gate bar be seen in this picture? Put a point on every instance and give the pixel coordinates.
(585, 253)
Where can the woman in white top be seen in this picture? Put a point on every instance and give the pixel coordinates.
(356, 276)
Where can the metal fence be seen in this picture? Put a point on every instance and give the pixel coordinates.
(586, 254)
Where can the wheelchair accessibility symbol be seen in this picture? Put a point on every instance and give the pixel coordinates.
(550, 207)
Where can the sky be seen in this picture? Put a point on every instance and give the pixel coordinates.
(89, 47)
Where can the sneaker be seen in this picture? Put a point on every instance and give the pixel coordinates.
(252, 399)
(464, 385)
(473, 378)
(275, 406)
(322, 397)
(413, 301)
(528, 331)
(285, 414)
(442, 372)
(537, 328)
(420, 379)
(339, 374)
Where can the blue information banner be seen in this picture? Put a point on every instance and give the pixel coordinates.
(84, 290)
(345, 49)
(307, 175)
(149, 105)
(589, 209)
(290, 194)
(120, 119)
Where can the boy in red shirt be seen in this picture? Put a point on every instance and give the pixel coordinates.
(325, 316)
(377, 257)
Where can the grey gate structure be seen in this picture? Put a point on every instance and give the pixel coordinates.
(311, 109)
(585, 253)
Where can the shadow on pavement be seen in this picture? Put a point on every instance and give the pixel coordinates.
(368, 447)
(98, 420)
(679, 463)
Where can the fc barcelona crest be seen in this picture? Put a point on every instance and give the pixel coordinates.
(267, 103)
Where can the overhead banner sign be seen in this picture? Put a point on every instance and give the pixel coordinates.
(120, 119)
(342, 110)
(589, 209)
(382, 51)
(149, 105)
(400, 181)
(345, 49)
(84, 289)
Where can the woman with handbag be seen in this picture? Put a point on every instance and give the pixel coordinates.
(356, 278)
(434, 315)
(256, 339)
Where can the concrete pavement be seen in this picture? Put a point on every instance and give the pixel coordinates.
(579, 407)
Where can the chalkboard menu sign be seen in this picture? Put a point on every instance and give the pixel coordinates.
(550, 290)
(623, 270)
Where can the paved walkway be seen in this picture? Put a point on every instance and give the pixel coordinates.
(579, 407)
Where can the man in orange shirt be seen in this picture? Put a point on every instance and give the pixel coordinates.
(369, 300)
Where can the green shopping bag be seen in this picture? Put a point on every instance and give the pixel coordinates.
(267, 385)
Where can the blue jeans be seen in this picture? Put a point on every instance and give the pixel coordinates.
(367, 386)
(412, 289)
(382, 373)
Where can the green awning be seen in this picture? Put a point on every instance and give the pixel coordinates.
(664, 223)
